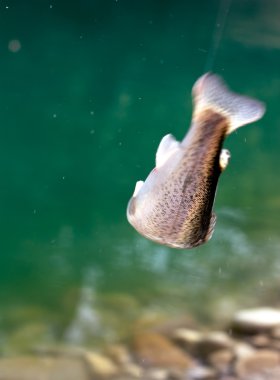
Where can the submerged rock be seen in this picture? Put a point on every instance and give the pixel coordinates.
(100, 366)
(256, 320)
(260, 341)
(119, 354)
(188, 339)
(154, 350)
(202, 344)
(275, 333)
(156, 374)
(262, 364)
(201, 373)
(221, 360)
(243, 350)
(133, 370)
(214, 341)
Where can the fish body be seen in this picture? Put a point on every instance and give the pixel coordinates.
(174, 205)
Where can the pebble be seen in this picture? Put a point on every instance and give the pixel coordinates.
(243, 350)
(154, 350)
(261, 362)
(119, 354)
(214, 341)
(275, 333)
(100, 366)
(256, 320)
(133, 370)
(188, 339)
(201, 373)
(156, 374)
(221, 360)
(275, 344)
(260, 341)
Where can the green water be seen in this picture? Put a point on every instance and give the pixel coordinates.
(85, 99)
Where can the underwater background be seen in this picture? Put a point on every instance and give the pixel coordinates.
(88, 89)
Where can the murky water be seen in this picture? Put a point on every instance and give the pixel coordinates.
(87, 92)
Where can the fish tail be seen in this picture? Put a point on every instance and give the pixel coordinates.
(210, 92)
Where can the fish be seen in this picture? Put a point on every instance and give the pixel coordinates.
(174, 205)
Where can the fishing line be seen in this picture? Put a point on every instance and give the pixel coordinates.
(217, 34)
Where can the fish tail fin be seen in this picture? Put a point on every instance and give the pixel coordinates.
(210, 92)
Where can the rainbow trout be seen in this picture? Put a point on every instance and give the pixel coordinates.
(174, 205)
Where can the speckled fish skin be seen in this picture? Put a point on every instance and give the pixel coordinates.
(174, 205)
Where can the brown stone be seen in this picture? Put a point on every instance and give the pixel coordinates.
(214, 341)
(100, 366)
(260, 341)
(243, 350)
(275, 333)
(275, 344)
(118, 353)
(221, 360)
(133, 370)
(261, 362)
(154, 350)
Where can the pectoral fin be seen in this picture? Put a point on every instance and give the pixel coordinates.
(224, 158)
(166, 148)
